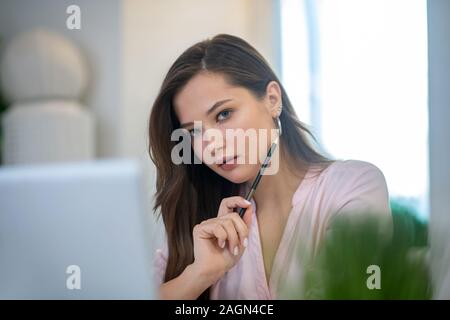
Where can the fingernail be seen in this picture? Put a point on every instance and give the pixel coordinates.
(222, 244)
(245, 244)
(236, 251)
(247, 202)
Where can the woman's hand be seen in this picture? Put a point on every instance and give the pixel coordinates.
(219, 242)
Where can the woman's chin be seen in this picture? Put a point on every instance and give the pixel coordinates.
(240, 174)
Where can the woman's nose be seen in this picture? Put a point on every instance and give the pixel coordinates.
(214, 140)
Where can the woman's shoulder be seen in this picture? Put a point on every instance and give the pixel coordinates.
(343, 180)
(350, 167)
(357, 185)
(346, 172)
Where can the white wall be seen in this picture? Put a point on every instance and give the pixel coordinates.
(439, 139)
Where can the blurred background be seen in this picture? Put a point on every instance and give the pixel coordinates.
(370, 77)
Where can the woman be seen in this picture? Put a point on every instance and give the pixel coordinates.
(225, 84)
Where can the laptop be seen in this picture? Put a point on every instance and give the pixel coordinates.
(77, 230)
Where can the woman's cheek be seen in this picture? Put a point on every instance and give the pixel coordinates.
(204, 150)
(197, 147)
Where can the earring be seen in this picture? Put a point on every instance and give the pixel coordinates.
(280, 130)
(280, 108)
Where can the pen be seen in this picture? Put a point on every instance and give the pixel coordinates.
(260, 173)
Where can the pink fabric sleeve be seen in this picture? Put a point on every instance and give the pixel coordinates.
(363, 190)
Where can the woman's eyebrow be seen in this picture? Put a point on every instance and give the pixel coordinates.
(216, 105)
(210, 110)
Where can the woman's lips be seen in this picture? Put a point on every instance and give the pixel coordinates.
(229, 164)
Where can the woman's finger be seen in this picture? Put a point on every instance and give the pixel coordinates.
(228, 204)
(248, 216)
(211, 229)
(232, 236)
(240, 227)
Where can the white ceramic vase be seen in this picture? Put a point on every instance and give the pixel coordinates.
(45, 75)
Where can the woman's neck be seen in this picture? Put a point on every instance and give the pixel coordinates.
(275, 192)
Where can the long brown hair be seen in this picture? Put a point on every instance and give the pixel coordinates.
(186, 194)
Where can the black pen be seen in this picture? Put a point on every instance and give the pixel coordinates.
(260, 173)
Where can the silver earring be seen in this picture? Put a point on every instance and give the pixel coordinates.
(280, 130)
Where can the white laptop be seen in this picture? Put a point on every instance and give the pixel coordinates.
(75, 231)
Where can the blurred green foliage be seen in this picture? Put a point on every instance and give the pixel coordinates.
(340, 268)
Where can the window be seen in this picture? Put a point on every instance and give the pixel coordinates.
(356, 72)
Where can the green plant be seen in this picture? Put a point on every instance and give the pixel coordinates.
(340, 270)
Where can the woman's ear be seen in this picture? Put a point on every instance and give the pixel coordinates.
(273, 99)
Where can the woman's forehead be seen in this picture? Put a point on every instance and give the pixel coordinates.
(201, 93)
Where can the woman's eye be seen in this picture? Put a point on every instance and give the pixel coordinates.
(223, 115)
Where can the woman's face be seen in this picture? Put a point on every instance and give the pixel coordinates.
(222, 109)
